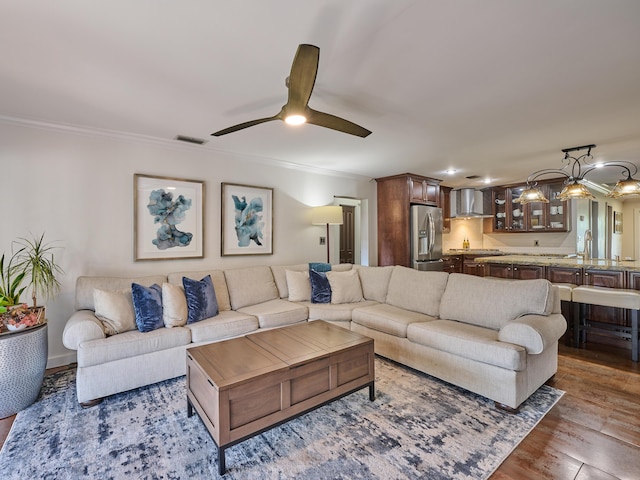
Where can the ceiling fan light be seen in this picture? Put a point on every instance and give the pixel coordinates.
(575, 190)
(531, 195)
(625, 188)
(296, 119)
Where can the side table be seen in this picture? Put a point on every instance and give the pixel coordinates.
(23, 360)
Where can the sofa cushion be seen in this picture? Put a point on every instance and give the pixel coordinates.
(174, 305)
(114, 310)
(147, 303)
(219, 284)
(388, 319)
(320, 287)
(416, 290)
(201, 299)
(335, 312)
(280, 276)
(226, 324)
(490, 302)
(85, 286)
(276, 313)
(130, 344)
(298, 286)
(345, 287)
(469, 341)
(250, 286)
(374, 281)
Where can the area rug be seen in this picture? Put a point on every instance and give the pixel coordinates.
(417, 427)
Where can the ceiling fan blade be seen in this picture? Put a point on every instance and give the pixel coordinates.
(302, 76)
(241, 126)
(336, 123)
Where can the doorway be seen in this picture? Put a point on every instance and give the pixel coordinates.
(355, 226)
(347, 234)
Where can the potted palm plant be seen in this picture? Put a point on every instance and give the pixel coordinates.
(32, 263)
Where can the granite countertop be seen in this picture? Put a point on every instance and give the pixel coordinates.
(474, 251)
(563, 261)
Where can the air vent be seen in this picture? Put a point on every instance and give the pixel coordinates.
(194, 140)
(473, 177)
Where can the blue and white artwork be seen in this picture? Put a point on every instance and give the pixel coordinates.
(168, 213)
(168, 218)
(247, 220)
(249, 224)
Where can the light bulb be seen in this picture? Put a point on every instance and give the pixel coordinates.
(295, 119)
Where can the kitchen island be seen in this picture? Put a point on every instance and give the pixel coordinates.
(562, 261)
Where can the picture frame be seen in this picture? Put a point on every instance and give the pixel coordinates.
(168, 218)
(247, 220)
(617, 222)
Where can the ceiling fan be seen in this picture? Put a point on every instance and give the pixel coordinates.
(296, 111)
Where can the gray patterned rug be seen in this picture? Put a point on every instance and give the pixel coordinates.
(418, 427)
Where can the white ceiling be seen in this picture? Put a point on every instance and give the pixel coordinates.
(494, 88)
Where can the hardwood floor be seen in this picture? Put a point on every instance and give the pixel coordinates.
(592, 433)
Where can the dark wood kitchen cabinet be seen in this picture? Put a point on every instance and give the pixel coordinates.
(471, 267)
(517, 272)
(509, 216)
(452, 263)
(395, 195)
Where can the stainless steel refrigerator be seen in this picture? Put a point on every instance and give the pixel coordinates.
(426, 237)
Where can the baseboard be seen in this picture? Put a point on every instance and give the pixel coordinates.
(61, 360)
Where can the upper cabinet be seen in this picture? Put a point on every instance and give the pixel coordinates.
(445, 204)
(512, 217)
(423, 190)
(508, 216)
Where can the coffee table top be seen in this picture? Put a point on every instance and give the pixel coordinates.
(230, 362)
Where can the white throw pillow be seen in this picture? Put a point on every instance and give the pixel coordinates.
(114, 310)
(345, 287)
(174, 306)
(299, 286)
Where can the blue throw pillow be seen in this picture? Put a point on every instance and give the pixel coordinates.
(320, 266)
(201, 299)
(320, 288)
(147, 305)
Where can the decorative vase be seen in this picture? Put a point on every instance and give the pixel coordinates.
(23, 360)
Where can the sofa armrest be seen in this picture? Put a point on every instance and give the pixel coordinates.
(534, 332)
(81, 327)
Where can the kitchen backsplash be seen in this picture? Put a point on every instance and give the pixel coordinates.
(471, 229)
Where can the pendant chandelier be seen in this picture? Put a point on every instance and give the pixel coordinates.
(575, 169)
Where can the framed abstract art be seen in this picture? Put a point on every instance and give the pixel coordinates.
(168, 218)
(247, 220)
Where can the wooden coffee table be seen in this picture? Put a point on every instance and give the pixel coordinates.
(247, 385)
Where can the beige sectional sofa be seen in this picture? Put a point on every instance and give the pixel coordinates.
(495, 337)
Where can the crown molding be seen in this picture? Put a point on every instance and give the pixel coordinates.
(169, 143)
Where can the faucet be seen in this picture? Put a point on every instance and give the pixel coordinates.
(587, 239)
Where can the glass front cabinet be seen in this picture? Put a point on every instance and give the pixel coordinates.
(510, 216)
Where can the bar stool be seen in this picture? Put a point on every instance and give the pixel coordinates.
(607, 297)
(565, 290)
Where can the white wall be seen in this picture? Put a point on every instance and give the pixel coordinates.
(77, 187)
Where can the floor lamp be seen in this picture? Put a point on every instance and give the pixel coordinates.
(329, 215)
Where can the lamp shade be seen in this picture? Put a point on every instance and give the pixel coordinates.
(575, 190)
(331, 214)
(531, 195)
(624, 188)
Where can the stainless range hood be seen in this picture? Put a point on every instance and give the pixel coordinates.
(467, 203)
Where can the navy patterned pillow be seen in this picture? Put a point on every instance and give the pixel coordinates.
(201, 299)
(147, 305)
(320, 288)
